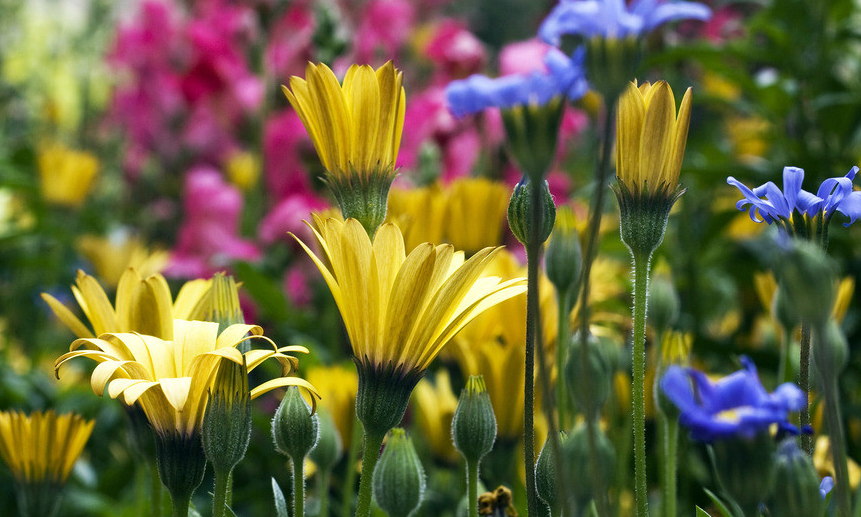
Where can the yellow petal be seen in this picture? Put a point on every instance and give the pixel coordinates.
(66, 317)
(680, 139)
(333, 115)
(362, 93)
(658, 131)
(191, 339)
(96, 305)
(176, 391)
(409, 296)
(629, 127)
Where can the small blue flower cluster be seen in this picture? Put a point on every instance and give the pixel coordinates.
(770, 203)
(735, 406)
(565, 74)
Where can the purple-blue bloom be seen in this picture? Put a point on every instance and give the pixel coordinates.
(770, 203)
(735, 406)
(613, 19)
(564, 76)
(826, 486)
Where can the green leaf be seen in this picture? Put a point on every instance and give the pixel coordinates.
(702, 513)
(717, 502)
(280, 502)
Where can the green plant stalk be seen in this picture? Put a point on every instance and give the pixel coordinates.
(562, 335)
(641, 292)
(784, 369)
(471, 487)
(529, 377)
(668, 429)
(370, 456)
(219, 495)
(157, 492)
(804, 384)
(143, 504)
(350, 475)
(298, 487)
(838, 447)
(597, 204)
(180, 505)
(323, 487)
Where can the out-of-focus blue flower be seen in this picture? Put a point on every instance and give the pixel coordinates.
(613, 19)
(735, 406)
(564, 76)
(770, 203)
(826, 486)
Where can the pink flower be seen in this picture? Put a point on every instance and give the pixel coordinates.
(384, 27)
(297, 285)
(285, 141)
(289, 47)
(455, 51)
(287, 216)
(523, 57)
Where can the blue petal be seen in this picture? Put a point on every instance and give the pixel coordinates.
(825, 486)
(793, 177)
(851, 207)
(672, 11)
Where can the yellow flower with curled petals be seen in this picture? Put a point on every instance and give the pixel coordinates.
(42, 447)
(356, 129)
(400, 310)
(651, 138)
(171, 379)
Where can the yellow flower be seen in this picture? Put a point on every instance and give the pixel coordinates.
(111, 256)
(66, 175)
(420, 213)
(42, 446)
(476, 213)
(337, 386)
(402, 309)
(243, 169)
(142, 305)
(650, 138)
(171, 379)
(355, 127)
(434, 405)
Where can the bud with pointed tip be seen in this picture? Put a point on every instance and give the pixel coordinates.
(399, 479)
(473, 427)
(520, 212)
(295, 429)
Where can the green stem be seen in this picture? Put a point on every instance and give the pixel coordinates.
(471, 487)
(219, 496)
(180, 505)
(350, 475)
(562, 336)
(804, 384)
(323, 487)
(669, 430)
(784, 368)
(157, 492)
(299, 487)
(834, 421)
(595, 216)
(529, 367)
(641, 291)
(143, 504)
(370, 455)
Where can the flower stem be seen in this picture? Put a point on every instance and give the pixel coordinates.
(532, 320)
(370, 455)
(471, 487)
(804, 384)
(298, 487)
(562, 336)
(323, 488)
(597, 211)
(669, 430)
(834, 422)
(180, 505)
(641, 291)
(350, 475)
(219, 495)
(157, 493)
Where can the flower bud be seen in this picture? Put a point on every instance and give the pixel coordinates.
(784, 312)
(329, 448)
(808, 276)
(746, 469)
(294, 429)
(830, 350)
(226, 426)
(520, 212)
(532, 132)
(473, 427)
(611, 62)
(590, 389)
(564, 257)
(181, 463)
(545, 473)
(796, 483)
(663, 300)
(675, 350)
(579, 468)
(222, 302)
(399, 479)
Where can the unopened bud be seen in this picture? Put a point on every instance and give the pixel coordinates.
(580, 469)
(226, 426)
(545, 473)
(520, 212)
(796, 483)
(663, 301)
(399, 479)
(591, 388)
(473, 426)
(564, 257)
(294, 429)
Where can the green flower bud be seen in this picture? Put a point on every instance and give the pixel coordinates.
(545, 473)
(329, 448)
(564, 257)
(663, 301)
(532, 132)
(611, 62)
(830, 350)
(808, 276)
(520, 212)
(181, 464)
(226, 426)
(222, 302)
(473, 426)
(643, 215)
(399, 479)
(746, 469)
(294, 429)
(579, 468)
(783, 310)
(590, 389)
(796, 483)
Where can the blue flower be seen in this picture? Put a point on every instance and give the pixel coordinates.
(826, 486)
(735, 406)
(770, 203)
(564, 76)
(613, 19)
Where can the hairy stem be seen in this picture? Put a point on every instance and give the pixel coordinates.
(641, 291)
(370, 455)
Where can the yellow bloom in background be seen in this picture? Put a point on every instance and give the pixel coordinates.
(66, 175)
(434, 404)
(42, 447)
(243, 169)
(143, 305)
(420, 213)
(476, 213)
(170, 379)
(112, 255)
(650, 138)
(337, 386)
(824, 462)
(748, 136)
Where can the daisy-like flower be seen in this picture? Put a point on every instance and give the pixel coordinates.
(356, 129)
(142, 305)
(41, 450)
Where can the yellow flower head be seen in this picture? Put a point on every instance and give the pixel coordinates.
(142, 305)
(337, 386)
(400, 310)
(650, 138)
(477, 210)
(66, 175)
(434, 405)
(355, 127)
(42, 446)
(111, 256)
(171, 380)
